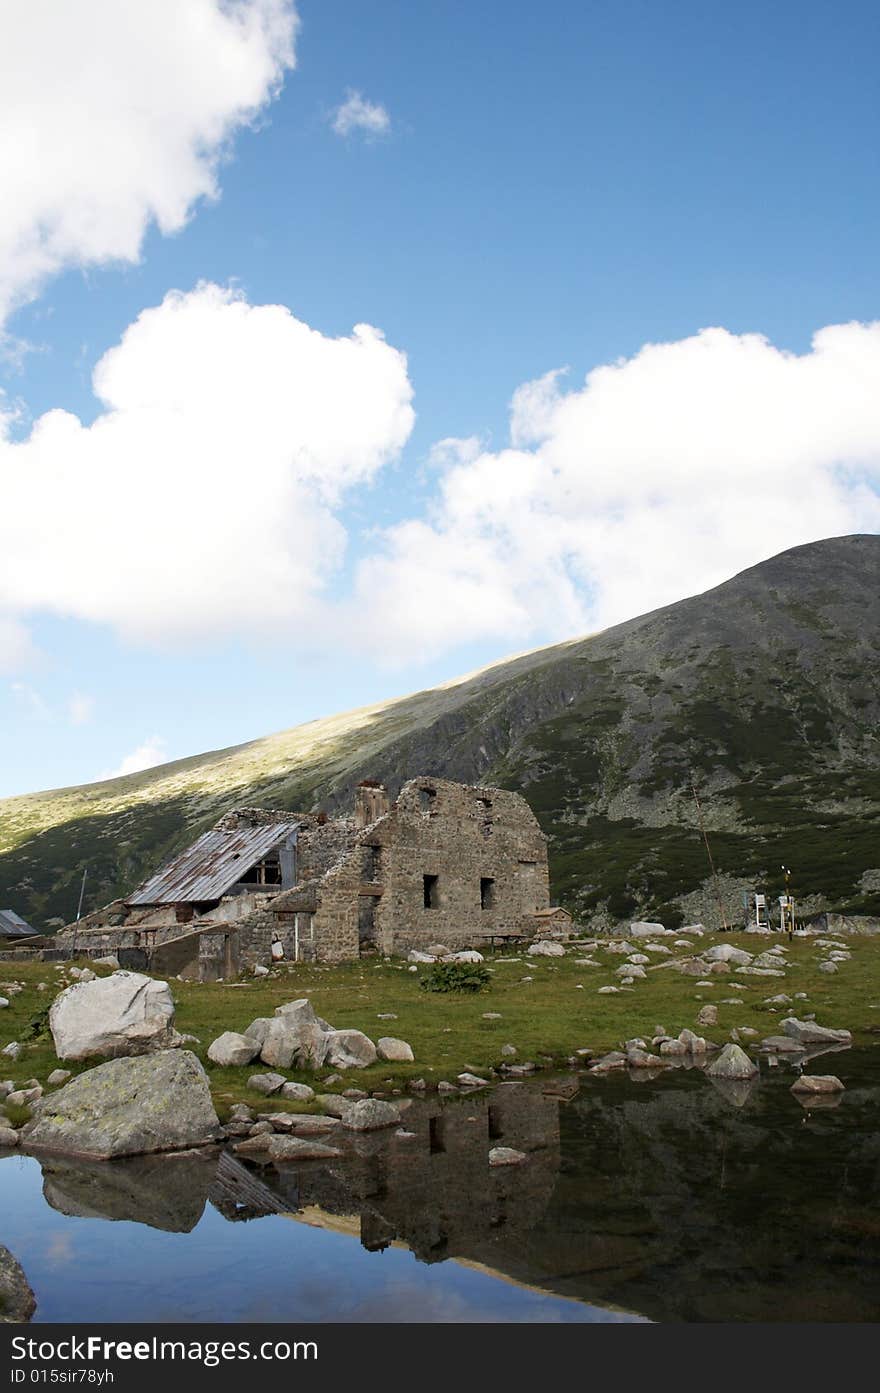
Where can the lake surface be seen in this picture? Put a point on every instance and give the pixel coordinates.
(665, 1198)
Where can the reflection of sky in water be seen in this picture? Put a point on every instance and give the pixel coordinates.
(271, 1269)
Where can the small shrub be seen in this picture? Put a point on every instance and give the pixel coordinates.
(38, 1025)
(455, 977)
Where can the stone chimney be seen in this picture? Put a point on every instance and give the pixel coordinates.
(370, 802)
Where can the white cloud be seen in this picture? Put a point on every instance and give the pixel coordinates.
(358, 114)
(80, 709)
(152, 752)
(115, 116)
(661, 476)
(200, 502)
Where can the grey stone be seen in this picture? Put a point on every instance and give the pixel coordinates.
(467, 955)
(809, 1033)
(300, 1149)
(371, 1114)
(260, 971)
(732, 1063)
(17, 1301)
(817, 1083)
(297, 1092)
(415, 956)
(266, 1083)
(472, 1081)
(828, 967)
(726, 953)
(129, 1107)
(394, 1051)
(255, 1148)
(57, 1077)
(708, 1015)
(508, 1051)
(332, 1104)
(546, 948)
(110, 960)
(295, 1041)
(8, 1138)
(124, 1014)
(231, 1049)
(781, 1044)
(350, 1049)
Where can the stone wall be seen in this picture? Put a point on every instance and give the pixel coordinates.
(464, 836)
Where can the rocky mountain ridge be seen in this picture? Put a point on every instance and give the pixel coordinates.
(761, 695)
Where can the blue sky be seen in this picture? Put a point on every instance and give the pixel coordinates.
(545, 188)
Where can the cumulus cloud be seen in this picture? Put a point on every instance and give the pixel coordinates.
(153, 751)
(660, 476)
(116, 116)
(200, 503)
(357, 114)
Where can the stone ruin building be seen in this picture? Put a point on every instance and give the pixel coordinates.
(445, 863)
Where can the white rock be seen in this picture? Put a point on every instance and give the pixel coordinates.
(297, 1092)
(230, 1049)
(606, 991)
(546, 948)
(414, 956)
(726, 953)
(395, 1051)
(126, 1014)
(260, 971)
(732, 1063)
(647, 930)
(472, 1081)
(349, 1049)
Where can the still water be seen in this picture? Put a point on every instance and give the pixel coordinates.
(667, 1199)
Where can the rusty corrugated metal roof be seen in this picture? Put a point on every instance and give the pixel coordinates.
(212, 865)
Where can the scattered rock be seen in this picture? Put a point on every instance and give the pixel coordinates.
(472, 1081)
(809, 1033)
(297, 1092)
(506, 1156)
(350, 1049)
(394, 1051)
(781, 1044)
(546, 948)
(110, 960)
(57, 1077)
(125, 1014)
(732, 1063)
(695, 1043)
(727, 953)
(8, 1138)
(444, 1086)
(333, 1105)
(230, 1049)
(266, 1083)
(708, 1015)
(606, 991)
(300, 1149)
(817, 1083)
(631, 971)
(491, 1016)
(254, 1148)
(467, 955)
(647, 930)
(386, 1016)
(828, 967)
(129, 1107)
(414, 956)
(371, 1114)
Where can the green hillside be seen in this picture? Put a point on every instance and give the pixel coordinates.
(762, 692)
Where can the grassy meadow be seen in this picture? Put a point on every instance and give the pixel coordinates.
(548, 1008)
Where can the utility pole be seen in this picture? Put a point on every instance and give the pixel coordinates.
(715, 881)
(82, 891)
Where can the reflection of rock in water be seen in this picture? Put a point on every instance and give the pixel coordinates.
(164, 1192)
(238, 1194)
(17, 1301)
(676, 1205)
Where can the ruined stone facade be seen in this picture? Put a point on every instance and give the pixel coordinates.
(446, 863)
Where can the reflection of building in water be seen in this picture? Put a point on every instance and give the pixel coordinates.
(432, 1189)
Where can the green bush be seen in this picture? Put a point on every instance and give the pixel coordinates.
(455, 977)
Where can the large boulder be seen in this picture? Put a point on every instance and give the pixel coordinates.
(17, 1301)
(732, 1063)
(125, 1014)
(129, 1107)
(294, 1042)
(370, 1114)
(809, 1033)
(646, 929)
(350, 1049)
(230, 1049)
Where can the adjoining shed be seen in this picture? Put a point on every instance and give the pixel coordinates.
(13, 928)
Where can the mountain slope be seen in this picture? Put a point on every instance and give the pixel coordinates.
(763, 692)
